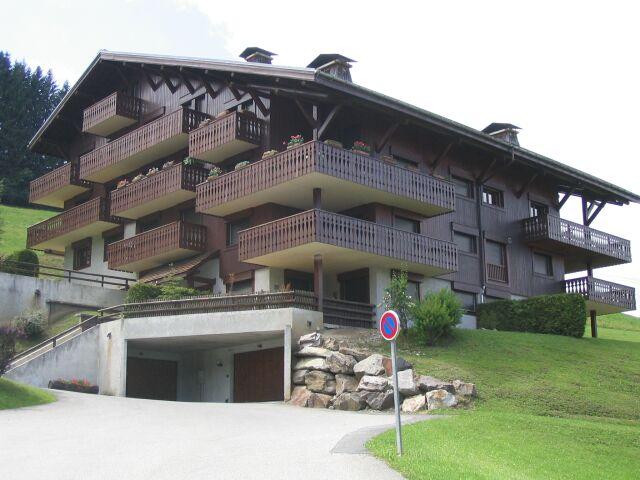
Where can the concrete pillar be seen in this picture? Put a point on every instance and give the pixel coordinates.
(594, 324)
(318, 280)
(317, 198)
(287, 363)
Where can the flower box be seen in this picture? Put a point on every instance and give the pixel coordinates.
(167, 164)
(361, 147)
(214, 173)
(241, 165)
(81, 386)
(294, 141)
(269, 153)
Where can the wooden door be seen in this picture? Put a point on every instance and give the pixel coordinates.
(152, 379)
(258, 376)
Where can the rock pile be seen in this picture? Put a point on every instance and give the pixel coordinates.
(328, 374)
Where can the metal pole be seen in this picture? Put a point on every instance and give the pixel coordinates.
(396, 398)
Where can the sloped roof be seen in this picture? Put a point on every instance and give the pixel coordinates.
(178, 269)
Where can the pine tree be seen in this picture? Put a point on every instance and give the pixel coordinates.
(27, 98)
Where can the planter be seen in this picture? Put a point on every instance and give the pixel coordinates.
(334, 143)
(168, 164)
(269, 153)
(241, 165)
(361, 152)
(73, 386)
(211, 178)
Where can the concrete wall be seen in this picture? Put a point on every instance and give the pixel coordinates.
(23, 294)
(75, 358)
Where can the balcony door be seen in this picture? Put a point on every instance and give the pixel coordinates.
(354, 286)
(496, 256)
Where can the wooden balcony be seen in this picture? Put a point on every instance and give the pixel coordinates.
(160, 191)
(579, 244)
(158, 246)
(225, 137)
(54, 188)
(86, 220)
(347, 179)
(346, 243)
(497, 273)
(156, 139)
(602, 296)
(111, 114)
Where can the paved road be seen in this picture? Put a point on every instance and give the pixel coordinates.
(97, 437)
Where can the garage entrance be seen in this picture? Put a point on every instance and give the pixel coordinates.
(152, 379)
(258, 376)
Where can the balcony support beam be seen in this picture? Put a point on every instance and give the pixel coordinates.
(594, 323)
(527, 184)
(327, 121)
(588, 212)
(313, 122)
(318, 280)
(387, 136)
(317, 198)
(565, 197)
(443, 153)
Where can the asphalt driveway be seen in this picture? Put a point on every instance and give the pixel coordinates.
(96, 437)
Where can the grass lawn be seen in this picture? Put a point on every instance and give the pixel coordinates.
(15, 395)
(13, 231)
(548, 407)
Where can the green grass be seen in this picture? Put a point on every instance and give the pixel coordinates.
(52, 329)
(619, 321)
(16, 395)
(548, 407)
(13, 231)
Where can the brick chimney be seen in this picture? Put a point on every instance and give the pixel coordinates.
(257, 55)
(504, 131)
(333, 64)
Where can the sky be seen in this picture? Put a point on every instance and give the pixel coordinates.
(567, 73)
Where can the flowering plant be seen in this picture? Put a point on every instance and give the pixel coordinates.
(122, 183)
(137, 178)
(295, 140)
(167, 164)
(240, 165)
(360, 146)
(215, 171)
(189, 161)
(152, 171)
(269, 153)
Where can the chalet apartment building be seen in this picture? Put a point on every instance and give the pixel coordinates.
(192, 168)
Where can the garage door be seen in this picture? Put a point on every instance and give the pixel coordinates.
(259, 376)
(152, 379)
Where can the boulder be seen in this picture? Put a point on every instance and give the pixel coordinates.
(359, 355)
(309, 351)
(372, 365)
(371, 383)
(331, 344)
(298, 377)
(321, 382)
(401, 363)
(340, 363)
(464, 389)
(378, 400)
(319, 400)
(300, 396)
(440, 399)
(345, 383)
(351, 401)
(427, 384)
(313, 339)
(311, 363)
(414, 404)
(407, 385)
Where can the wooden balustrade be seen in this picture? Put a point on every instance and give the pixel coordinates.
(346, 232)
(111, 114)
(602, 291)
(56, 186)
(550, 227)
(348, 314)
(154, 140)
(497, 273)
(74, 219)
(224, 137)
(157, 246)
(128, 201)
(328, 160)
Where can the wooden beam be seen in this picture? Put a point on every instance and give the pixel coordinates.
(527, 184)
(167, 80)
(187, 83)
(327, 121)
(207, 85)
(595, 213)
(233, 88)
(480, 178)
(152, 83)
(443, 153)
(77, 127)
(566, 197)
(387, 136)
(259, 103)
(312, 122)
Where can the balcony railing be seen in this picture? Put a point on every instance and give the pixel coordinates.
(156, 139)
(224, 137)
(57, 186)
(159, 191)
(549, 228)
(497, 273)
(157, 246)
(603, 292)
(72, 223)
(318, 157)
(346, 232)
(347, 314)
(111, 114)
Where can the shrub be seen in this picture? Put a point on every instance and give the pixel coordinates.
(141, 292)
(173, 289)
(29, 263)
(31, 323)
(561, 314)
(396, 297)
(8, 336)
(436, 315)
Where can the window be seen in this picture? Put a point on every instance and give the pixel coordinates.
(496, 256)
(240, 288)
(492, 196)
(82, 254)
(467, 300)
(543, 264)
(463, 187)
(413, 290)
(234, 227)
(407, 224)
(536, 209)
(466, 243)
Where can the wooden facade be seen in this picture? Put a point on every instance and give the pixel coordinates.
(421, 187)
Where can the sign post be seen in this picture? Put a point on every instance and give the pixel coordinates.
(389, 329)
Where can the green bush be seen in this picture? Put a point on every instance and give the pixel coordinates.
(31, 323)
(141, 292)
(396, 297)
(435, 316)
(174, 289)
(24, 257)
(561, 314)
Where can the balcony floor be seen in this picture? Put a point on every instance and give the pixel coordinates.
(110, 125)
(603, 308)
(157, 204)
(57, 198)
(156, 260)
(59, 243)
(337, 260)
(576, 258)
(225, 151)
(337, 195)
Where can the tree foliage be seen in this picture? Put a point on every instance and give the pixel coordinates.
(436, 315)
(396, 297)
(27, 98)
